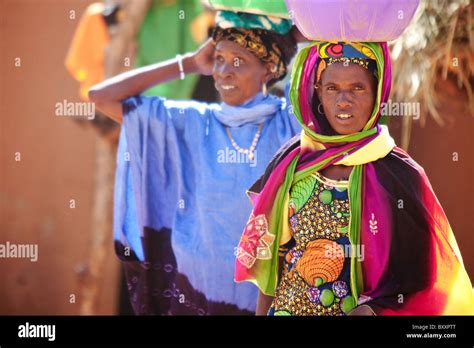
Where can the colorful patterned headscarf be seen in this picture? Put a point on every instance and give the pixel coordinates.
(412, 263)
(331, 53)
(263, 36)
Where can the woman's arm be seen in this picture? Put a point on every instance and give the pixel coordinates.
(263, 303)
(108, 95)
(362, 310)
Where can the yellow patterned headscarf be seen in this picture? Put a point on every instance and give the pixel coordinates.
(263, 36)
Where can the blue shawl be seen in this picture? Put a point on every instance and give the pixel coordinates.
(180, 199)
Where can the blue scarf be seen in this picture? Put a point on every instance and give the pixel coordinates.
(255, 111)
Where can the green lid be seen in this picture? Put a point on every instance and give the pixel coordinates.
(275, 8)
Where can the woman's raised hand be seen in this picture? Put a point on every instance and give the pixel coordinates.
(109, 94)
(204, 58)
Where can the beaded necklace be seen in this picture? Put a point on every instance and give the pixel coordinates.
(251, 149)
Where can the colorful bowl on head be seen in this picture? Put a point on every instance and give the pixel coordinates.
(352, 20)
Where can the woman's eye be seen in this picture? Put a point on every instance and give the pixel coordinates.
(358, 88)
(238, 61)
(331, 88)
(219, 59)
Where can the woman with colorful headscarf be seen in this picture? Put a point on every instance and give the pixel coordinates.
(344, 221)
(183, 166)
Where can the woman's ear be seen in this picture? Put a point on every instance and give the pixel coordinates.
(270, 71)
(318, 89)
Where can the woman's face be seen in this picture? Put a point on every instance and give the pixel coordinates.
(238, 74)
(347, 94)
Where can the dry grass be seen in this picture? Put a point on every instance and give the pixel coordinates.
(438, 44)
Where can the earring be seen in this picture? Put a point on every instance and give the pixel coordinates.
(319, 110)
(264, 89)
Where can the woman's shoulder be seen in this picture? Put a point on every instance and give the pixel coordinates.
(399, 170)
(281, 100)
(400, 161)
(173, 106)
(194, 105)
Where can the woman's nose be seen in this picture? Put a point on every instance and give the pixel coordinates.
(343, 101)
(226, 69)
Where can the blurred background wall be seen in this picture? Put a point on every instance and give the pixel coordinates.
(57, 165)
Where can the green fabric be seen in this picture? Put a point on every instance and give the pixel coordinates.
(228, 19)
(302, 191)
(166, 32)
(270, 267)
(265, 7)
(355, 204)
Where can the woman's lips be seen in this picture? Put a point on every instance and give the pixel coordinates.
(344, 117)
(225, 87)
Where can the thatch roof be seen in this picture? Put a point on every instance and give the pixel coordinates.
(438, 44)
